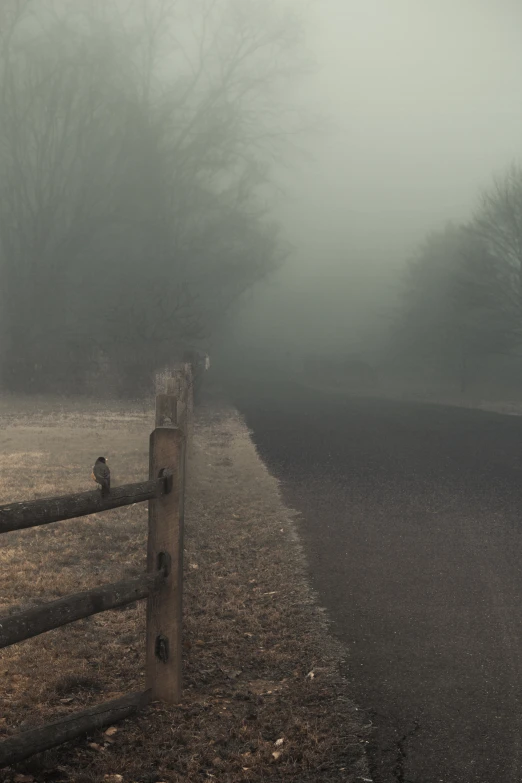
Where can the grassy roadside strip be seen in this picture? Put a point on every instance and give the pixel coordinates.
(264, 699)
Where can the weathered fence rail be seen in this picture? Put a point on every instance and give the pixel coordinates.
(33, 513)
(33, 622)
(162, 585)
(70, 727)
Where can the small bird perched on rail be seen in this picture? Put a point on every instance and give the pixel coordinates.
(102, 475)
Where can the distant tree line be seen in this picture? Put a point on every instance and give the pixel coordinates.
(461, 301)
(137, 139)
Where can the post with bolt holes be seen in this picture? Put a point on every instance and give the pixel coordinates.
(165, 551)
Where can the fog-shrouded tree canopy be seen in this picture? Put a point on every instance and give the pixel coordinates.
(461, 301)
(136, 147)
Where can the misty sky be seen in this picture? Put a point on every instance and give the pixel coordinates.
(427, 98)
(424, 100)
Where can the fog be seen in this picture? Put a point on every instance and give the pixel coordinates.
(424, 106)
(427, 100)
(256, 179)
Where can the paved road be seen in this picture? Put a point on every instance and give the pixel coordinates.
(412, 524)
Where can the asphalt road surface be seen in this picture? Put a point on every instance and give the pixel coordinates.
(411, 517)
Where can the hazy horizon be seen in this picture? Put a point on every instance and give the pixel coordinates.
(173, 131)
(423, 108)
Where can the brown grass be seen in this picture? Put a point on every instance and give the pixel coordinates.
(259, 666)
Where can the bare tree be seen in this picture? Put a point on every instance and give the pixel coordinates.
(63, 144)
(498, 221)
(459, 307)
(136, 143)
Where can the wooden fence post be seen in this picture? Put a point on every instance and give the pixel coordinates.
(165, 550)
(188, 399)
(179, 390)
(174, 385)
(166, 410)
(189, 374)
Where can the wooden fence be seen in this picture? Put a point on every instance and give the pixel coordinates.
(161, 585)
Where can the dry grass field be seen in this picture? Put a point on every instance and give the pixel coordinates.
(263, 699)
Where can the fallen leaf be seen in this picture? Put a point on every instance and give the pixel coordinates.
(310, 676)
(67, 701)
(194, 566)
(111, 731)
(276, 754)
(113, 778)
(95, 746)
(279, 742)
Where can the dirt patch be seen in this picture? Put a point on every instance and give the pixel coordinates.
(263, 698)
